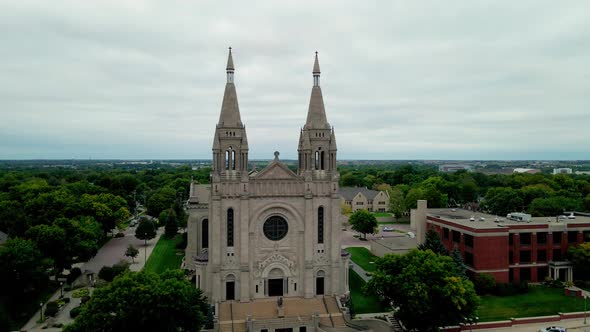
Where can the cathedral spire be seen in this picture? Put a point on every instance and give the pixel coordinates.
(316, 114)
(230, 111)
(230, 68)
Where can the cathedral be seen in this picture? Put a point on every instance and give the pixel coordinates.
(273, 232)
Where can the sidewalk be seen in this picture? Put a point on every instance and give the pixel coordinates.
(111, 253)
(359, 270)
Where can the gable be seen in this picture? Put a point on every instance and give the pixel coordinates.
(277, 171)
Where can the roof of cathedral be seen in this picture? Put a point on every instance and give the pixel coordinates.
(230, 111)
(275, 170)
(316, 114)
(348, 193)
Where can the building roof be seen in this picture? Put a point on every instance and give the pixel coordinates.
(200, 193)
(348, 193)
(461, 217)
(316, 114)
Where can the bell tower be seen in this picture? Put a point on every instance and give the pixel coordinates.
(230, 143)
(317, 141)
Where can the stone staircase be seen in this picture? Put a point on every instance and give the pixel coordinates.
(394, 323)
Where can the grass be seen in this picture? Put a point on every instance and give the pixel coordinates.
(362, 256)
(361, 302)
(382, 214)
(539, 301)
(164, 255)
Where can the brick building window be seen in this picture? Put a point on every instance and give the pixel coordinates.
(468, 258)
(557, 238)
(541, 255)
(456, 237)
(586, 236)
(556, 254)
(446, 233)
(525, 239)
(525, 274)
(525, 256)
(468, 240)
(572, 237)
(541, 238)
(510, 239)
(510, 257)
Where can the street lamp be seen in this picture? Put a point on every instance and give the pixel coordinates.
(41, 312)
(61, 289)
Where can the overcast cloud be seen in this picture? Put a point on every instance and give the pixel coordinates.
(401, 80)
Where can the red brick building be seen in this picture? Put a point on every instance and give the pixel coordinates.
(509, 250)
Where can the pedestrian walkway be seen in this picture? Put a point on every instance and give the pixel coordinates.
(360, 271)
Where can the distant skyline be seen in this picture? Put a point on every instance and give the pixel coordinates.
(420, 80)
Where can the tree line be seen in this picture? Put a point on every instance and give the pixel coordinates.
(537, 194)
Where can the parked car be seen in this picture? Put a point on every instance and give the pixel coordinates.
(388, 229)
(553, 329)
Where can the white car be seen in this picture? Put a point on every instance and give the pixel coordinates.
(388, 229)
(553, 329)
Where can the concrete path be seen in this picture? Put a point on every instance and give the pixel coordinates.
(111, 253)
(359, 270)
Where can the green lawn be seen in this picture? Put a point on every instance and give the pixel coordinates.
(382, 214)
(539, 301)
(361, 302)
(362, 256)
(164, 256)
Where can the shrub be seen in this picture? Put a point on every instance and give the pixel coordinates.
(79, 293)
(85, 299)
(75, 312)
(485, 283)
(51, 308)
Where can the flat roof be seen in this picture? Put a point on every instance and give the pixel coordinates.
(490, 221)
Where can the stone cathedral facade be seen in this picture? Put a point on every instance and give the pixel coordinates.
(273, 232)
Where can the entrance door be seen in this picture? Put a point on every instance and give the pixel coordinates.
(275, 287)
(319, 285)
(230, 290)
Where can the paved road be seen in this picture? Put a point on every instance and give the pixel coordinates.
(572, 325)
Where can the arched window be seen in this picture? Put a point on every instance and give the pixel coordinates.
(319, 283)
(227, 155)
(321, 224)
(230, 227)
(317, 160)
(322, 160)
(205, 233)
(233, 160)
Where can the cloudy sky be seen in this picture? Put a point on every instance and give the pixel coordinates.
(401, 79)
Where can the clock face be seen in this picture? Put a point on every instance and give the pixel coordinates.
(275, 228)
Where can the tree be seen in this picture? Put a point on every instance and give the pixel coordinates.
(160, 201)
(579, 255)
(345, 208)
(363, 222)
(432, 242)
(131, 252)
(171, 227)
(396, 202)
(51, 241)
(458, 259)
(485, 283)
(553, 206)
(144, 301)
(503, 200)
(426, 288)
(146, 230)
(23, 268)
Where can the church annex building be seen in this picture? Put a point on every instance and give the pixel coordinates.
(272, 235)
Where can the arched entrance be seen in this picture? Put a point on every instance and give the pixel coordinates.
(230, 287)
(276, 282)
(319, 283)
